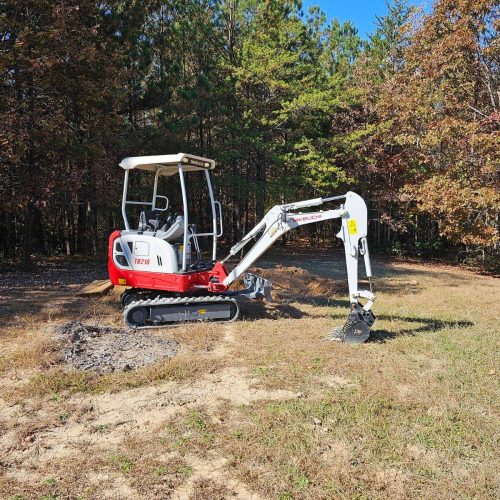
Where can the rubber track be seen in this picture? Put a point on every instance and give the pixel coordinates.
(176, 301)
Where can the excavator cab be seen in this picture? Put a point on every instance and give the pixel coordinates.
(160, 220)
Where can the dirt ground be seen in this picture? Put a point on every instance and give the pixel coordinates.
(260, 408)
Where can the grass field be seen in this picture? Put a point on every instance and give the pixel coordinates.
(260, 408)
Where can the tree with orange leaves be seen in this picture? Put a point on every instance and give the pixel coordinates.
(438, 124)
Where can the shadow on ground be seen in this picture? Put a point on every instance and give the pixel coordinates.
(422, 325)
(257, 310)
(280, 309)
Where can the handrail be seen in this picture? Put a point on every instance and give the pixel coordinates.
(166, 205)
(202, 234)
(214, 215)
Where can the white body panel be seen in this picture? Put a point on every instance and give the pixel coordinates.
(148, 253)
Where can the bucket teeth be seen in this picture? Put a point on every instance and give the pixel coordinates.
(356, 329)
(335, 335)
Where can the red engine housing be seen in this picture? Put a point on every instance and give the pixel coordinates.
(191, 281)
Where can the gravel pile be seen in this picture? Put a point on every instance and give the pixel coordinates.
(106, 350)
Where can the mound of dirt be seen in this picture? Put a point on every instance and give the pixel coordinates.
(105, 350)
(289, 281)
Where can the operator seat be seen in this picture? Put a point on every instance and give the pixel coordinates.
(172, 229)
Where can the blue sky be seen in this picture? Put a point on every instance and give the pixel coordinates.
(361, 12)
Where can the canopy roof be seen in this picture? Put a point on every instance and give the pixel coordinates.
(169, 164)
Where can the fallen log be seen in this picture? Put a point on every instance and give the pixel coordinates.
(97, 287)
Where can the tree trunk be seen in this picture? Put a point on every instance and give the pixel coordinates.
(261, 192)
(27, 238)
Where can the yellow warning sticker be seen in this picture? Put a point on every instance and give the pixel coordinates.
(202, 311)
(351, 225)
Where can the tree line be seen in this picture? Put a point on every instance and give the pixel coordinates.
(288, 104)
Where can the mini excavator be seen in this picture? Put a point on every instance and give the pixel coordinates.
(160, 260)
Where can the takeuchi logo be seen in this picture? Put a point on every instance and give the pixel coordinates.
(305, 218)
(195, 162)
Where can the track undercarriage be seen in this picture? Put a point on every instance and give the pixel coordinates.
(158, 310)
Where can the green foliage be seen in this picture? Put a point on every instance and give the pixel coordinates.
(289, 106)
(185, 470)
(123, 462)
(161, 470)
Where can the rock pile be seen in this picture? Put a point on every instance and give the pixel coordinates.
(105, 349)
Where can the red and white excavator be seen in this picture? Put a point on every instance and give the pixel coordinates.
(160, 259)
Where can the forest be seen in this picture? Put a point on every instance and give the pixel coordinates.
(289, 105)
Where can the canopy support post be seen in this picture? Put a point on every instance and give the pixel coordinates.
(186, 221)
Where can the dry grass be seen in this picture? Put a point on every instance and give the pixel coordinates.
(26, 347)
(198, 338)
(208, 488)
(262, 408)
(57, 380)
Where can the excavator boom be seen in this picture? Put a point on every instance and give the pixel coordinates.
(283, 218)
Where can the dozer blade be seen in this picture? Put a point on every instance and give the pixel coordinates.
(356, 329)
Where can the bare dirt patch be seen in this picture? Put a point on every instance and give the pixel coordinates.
(212, 479)
(106, 350)
(292, 281)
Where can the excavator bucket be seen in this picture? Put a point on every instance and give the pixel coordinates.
(356, 329)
